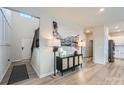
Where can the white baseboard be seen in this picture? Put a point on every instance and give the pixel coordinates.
(37, 72)
(46, 74)
(119, 58)
(16, 60)
(20, 60)
(2, 76)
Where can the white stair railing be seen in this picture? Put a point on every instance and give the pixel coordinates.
(5, 29)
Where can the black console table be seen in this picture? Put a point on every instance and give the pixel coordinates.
(66, 63)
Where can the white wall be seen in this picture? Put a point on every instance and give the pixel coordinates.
(23, 28)
(35, 62)
(100, 45)
(4, 63)
(5, 45)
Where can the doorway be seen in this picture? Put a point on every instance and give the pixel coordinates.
(90, 48)
(26, 48)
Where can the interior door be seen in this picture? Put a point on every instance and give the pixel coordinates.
(91, 48)
(26, 48)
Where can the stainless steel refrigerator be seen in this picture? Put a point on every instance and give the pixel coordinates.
(111, 49)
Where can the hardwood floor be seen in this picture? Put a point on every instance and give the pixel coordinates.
(90, 74)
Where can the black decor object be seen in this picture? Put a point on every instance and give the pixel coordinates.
(35, 42)
(55, 25)
(19, 73)
(75, 53)
(55, 31)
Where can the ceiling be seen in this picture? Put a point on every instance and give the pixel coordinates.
(89, 16)
(85, 16)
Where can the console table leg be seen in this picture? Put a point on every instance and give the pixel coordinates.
(81, 65)
(62, 73)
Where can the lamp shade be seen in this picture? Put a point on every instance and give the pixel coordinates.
(54, 42)
(82, 43)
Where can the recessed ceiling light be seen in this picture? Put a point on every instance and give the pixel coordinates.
(101, 9)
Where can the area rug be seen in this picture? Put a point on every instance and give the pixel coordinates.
(19, 73)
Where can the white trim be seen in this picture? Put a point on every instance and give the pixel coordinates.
(46, 74)
(16, 60)
(119, 58)
(2, 76)
(21, 60)
(37, 72)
